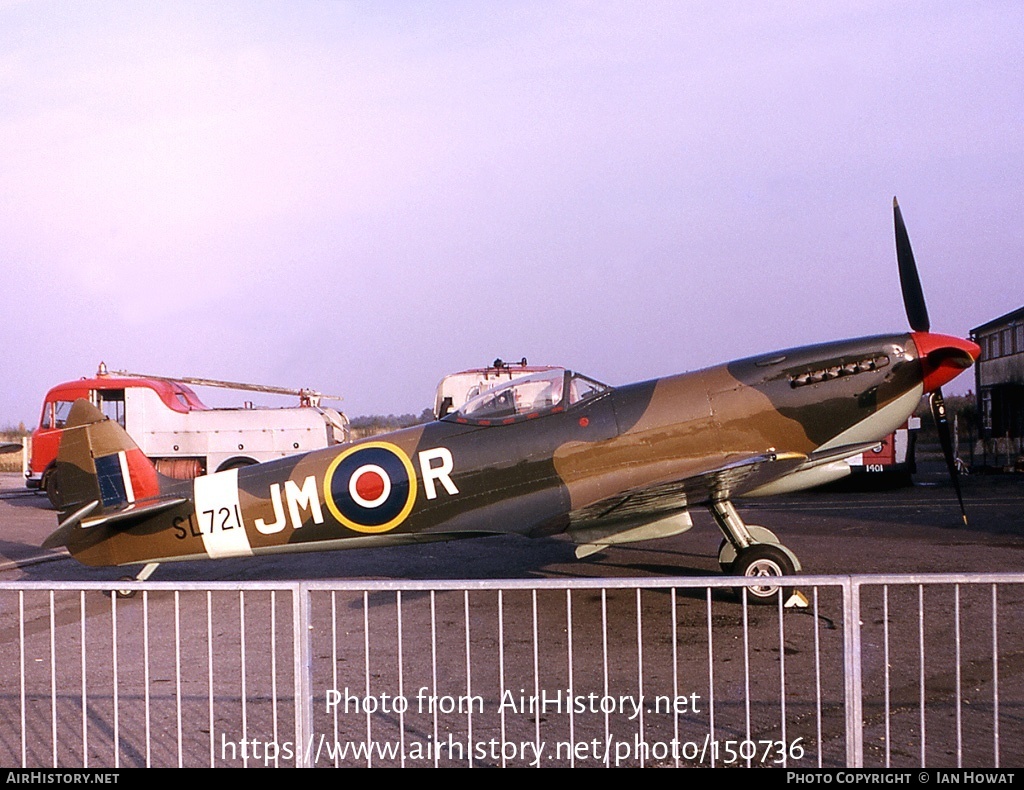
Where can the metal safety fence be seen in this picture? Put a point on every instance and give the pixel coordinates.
(875, 671)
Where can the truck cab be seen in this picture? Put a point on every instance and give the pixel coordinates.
(181, 435)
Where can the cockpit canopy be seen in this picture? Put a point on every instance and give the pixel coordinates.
(527, 397)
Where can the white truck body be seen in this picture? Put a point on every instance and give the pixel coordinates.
(227, 437)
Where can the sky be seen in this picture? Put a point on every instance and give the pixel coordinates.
(361, 197)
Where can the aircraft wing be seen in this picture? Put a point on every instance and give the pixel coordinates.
(660, 510)
(839, 453)
(10, 447)
(732, 478)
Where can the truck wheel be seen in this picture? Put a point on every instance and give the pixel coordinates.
(236, 463)
(51, 484)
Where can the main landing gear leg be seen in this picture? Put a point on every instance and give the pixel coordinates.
(750, 550)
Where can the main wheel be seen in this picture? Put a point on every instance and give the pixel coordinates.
(763, 560)
(727, 553)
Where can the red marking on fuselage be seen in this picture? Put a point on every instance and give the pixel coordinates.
(370, 486)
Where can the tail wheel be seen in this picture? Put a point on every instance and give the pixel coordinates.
(767, 562)
(123, 592)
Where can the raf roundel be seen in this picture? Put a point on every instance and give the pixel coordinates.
(371, 488)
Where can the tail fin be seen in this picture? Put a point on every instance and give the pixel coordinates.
(104, 479)
(98, 462)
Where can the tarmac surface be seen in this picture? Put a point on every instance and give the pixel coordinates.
(933, 694)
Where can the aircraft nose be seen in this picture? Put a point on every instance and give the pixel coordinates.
(943, 357)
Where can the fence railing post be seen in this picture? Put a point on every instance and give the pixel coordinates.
(302, 652)
(854, 689)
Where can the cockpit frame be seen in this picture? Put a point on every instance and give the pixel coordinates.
(528, 397)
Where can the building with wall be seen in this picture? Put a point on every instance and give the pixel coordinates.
(999, 379)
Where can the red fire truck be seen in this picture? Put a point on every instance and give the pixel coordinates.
(180, 434)
(892, 460)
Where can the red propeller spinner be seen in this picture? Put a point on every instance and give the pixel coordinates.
(943, 357)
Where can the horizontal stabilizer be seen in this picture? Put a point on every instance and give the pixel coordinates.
(61, 535)
(117, 519)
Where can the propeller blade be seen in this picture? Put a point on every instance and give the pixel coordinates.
(913, 296)
(945, 439)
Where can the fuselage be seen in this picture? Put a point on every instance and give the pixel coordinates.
(458, 478)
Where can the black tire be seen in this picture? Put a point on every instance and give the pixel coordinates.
(764, 559)
(51, 484)
(122, 593)
(236, 463)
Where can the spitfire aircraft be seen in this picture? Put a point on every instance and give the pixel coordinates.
(543, 454)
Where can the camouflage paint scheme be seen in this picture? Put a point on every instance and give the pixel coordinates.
(624, 464)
